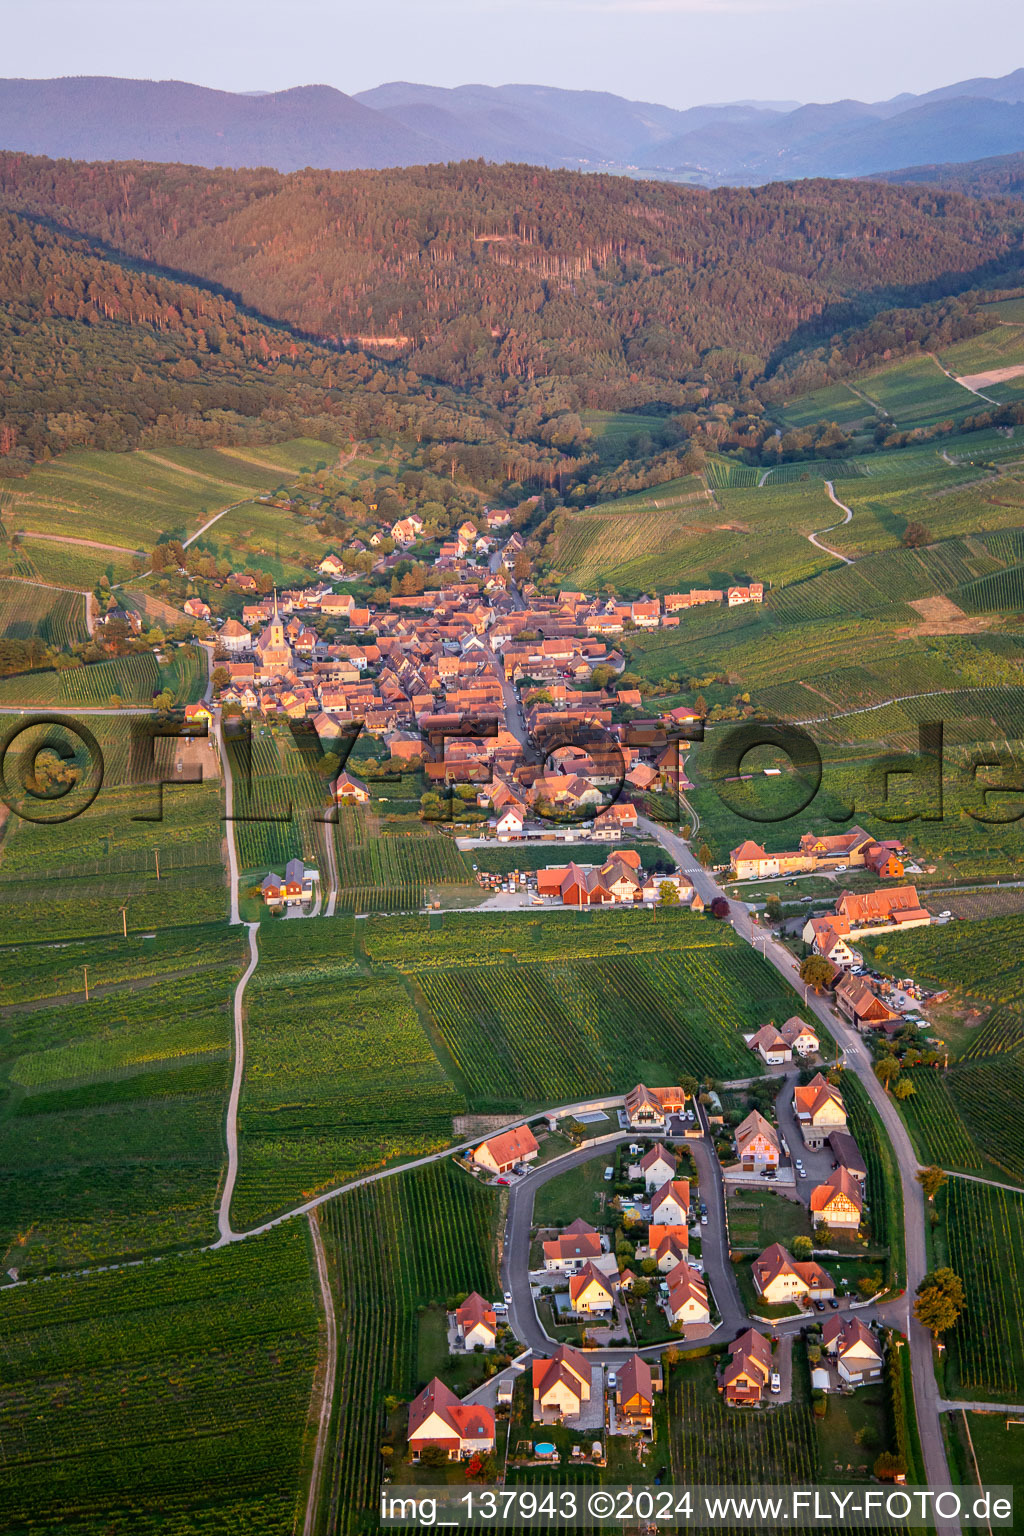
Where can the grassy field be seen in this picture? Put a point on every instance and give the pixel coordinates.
(340, 1076)
(916, 393)
(438, 1228)
(169, 1398)
(836, 403)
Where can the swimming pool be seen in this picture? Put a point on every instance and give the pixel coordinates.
(545, 1449)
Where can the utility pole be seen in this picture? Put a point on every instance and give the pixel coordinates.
(85, 973)
(124, 918)
(156, 855)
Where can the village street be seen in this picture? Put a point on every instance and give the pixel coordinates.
(926, 1393)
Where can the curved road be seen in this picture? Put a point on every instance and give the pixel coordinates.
(926, 1393)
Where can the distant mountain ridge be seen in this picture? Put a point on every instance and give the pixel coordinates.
(402, 124)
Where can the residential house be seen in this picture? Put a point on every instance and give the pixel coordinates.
(853, 1346)
(838, 1202)
(330, 565)
(757, 1143)
(197, 714)
(650, 1108)
(578, 1245)
(348, 790)
(687, 1296)
(561, 1385)
(770, 1046)
(800, 1037)
(819, 1110)
(476, 1322)
(196, 608)
(437, 1417)
(858, 1002)
(501, 1153)
(658, 1165)
(616, 819)
(668, 1246)
(670, 1203)
(779, 1279)
(590, 1292)
(634, 1393)
(744, 1378)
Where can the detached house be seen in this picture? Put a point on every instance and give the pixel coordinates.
(839, 1201)
(779, 1278)
(858, 1002)
(437, 1417)
(744, 1378)
(770, 1046)
(857, 1355)
(561, 1385)
(476, 1322)
(578, 1246)
(634, 1394)
(819, 1110)
(670, 1203)
(657, 1166)
(591, 1292)
(799, 1036)
(668, 1246)
(757, 1143)
(687, 1297)
(650, 1108)
(348, 790)
(502, 1153)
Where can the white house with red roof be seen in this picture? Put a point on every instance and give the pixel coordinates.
(438, 1418)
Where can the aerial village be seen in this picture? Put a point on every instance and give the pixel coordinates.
(665, 1257)
(474, 682)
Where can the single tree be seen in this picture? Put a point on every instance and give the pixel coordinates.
(704, 856)
(940, 1300)
(903, 1089)
(931, 1180)
(916, 536)
(815, 972)
(669, 894)
(802, 1247)
(886, 1068)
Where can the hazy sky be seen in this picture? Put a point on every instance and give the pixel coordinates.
(679, 52)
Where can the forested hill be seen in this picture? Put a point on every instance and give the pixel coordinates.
(99, 351)
(999, 176)
(498, 278)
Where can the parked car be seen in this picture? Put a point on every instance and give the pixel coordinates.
(776, 1382)
(609, 1174)
(834, 1303)
(799, 1162)
(819, 1306)
(703, 1221)
(803, 1173)
(508, 1298)
(613, 1381)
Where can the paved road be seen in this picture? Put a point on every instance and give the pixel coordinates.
(926, 1394)
(227, 1235)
